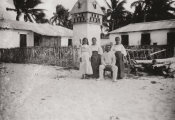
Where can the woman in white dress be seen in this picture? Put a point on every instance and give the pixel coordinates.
(85, 58)
(120, 53)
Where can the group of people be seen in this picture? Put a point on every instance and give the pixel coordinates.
(93, 62)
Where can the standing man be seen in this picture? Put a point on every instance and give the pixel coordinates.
(108, 60)
(120, 53)
(96, 57)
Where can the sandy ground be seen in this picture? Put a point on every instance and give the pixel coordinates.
(36, 92)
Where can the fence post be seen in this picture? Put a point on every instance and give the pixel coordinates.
(75, 57)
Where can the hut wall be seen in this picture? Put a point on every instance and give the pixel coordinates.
(48, 41)
(157, 36)
(11, 38)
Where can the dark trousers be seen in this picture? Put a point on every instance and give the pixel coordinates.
(120, 64)
(95, 62)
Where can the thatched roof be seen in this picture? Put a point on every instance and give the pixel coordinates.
(43, 29)
(146, 26)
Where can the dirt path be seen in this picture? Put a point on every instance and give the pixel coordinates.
(36, 92)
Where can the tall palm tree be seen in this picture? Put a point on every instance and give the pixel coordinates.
(61, 17)
(155, 9)
(116, 13)
(26, 7)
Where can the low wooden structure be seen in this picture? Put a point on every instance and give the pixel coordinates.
(61, 56)
(69, 56)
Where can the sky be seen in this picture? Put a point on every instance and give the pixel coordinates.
(49, 5)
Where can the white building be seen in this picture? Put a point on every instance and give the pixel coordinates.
(23, 34)
(147, 33)
(87, 20)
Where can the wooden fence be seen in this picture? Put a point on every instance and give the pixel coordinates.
(147, 52)
(144, 52)
(68, 56)
(63, 56)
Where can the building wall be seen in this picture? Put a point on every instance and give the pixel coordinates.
(64, 41)
(79, 32)
(11, 38)
(135, 38)
(157, 36)
(49, 41)
(94, 30)
(105, 42)
(86, 30)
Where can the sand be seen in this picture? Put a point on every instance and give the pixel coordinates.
(38, 92)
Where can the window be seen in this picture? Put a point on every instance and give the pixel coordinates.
(171, 44)
(79, 5)
(69, 42)
(74, 20)
(145, 39)
(92, 14)
(23, 40)
(37, 39)
(125, 40)
(155, 44)
(95, 5)
(99, 20)
(171, 38)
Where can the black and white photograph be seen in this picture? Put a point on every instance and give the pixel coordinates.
(87, 59)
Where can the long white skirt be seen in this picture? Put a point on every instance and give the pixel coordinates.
(85, 65)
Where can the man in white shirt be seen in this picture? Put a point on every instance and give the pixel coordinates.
(108, 60)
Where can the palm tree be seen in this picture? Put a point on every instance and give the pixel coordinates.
(151, 10)
(116, 14)
(105, 21)
(26, 7)
(139, 14)
(41, 18)
(61, 17)
(160, 10)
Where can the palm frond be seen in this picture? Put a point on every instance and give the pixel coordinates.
(32, 3)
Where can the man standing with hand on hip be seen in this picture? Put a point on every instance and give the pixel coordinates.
(108, 60)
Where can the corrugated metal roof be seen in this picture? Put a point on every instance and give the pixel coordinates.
(146, 26)
(86, 6)
(43, 29)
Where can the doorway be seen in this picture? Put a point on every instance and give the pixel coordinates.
(125, 40)
(171, 43)
(23, 40)
(145, 39)
(69, 42)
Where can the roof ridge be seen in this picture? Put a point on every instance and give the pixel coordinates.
(30, 23)
(154, 25)
(153, 21)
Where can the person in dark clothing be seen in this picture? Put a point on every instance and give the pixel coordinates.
(96, 57)
(120, 53)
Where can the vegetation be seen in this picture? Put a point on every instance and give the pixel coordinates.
(152, 10)
(61, 17)
(27, 7)
(116, 16)
(144, 11)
